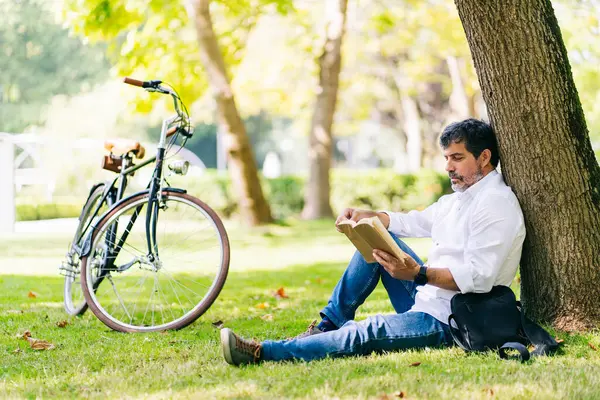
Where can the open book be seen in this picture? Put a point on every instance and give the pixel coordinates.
(368, 234)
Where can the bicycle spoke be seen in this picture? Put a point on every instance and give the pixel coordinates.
(117, 293)
(147, 305)
(187, 288)
(153, 294)
(176, 296)
(141, 286)
(185, 239)
(184, 287)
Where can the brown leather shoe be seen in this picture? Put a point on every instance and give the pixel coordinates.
(237, 350)
(311, 330)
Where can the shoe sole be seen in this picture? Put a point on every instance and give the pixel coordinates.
(226, 345)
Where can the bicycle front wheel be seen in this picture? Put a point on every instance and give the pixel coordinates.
(171, 288)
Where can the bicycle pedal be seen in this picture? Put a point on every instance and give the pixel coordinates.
(67, 270)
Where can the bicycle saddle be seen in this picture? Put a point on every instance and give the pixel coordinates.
(123, 146)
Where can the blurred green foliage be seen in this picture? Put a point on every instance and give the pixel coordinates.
(377, 189)
(153, 39)
(38, 60)
(36, 211)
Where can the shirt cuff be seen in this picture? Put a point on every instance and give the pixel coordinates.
(462, 278)
(395, 223)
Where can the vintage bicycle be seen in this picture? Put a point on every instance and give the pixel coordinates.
(152, 261)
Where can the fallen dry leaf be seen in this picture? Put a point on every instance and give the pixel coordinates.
(218, 324)
(400, 394)
(62, 324)
(415, 364)
(592, 347)
(489, 391)
(319, 280)
(39, 344)
(17, 351)
(267, 317)
(262, 305)
(172, 341)
(559, 340)
(32, 295)
(280, 293)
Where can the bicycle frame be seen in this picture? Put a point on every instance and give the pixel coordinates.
(154, 188)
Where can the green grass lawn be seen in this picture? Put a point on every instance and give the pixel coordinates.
(306, 259)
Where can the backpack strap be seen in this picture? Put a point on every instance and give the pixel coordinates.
(523, 352)
(457, 335)
(543, 342)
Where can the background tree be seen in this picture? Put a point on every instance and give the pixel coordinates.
(321, 138)
(546, 154)
(155, 38)
(242, 166)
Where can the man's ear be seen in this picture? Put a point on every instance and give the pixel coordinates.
(485, 158)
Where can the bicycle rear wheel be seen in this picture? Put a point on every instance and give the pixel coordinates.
(74, 300)
(169, 292)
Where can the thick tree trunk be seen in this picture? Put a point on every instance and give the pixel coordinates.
(242, 166)
(546, 154)
(316, 199)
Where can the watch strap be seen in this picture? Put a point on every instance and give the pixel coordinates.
(421, 277)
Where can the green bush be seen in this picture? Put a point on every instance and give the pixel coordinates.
(285, 194)
(377, 189)
(31, 212)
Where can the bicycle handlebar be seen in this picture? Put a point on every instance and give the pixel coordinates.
(155, 86)
(145, 84)
(134, 82)
(171, 131)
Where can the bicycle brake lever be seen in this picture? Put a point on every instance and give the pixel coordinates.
(157, 89)
(151, 84)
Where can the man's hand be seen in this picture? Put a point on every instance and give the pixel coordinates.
(405, 269)
(356, 215)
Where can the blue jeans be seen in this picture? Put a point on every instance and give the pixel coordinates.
(379, 333)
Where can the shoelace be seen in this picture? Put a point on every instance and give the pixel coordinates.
(307, 332)
(247, 347)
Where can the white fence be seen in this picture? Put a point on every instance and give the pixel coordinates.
(7, 185)
(21, 165)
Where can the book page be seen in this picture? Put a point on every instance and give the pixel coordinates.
(374, 233)
(361, 245)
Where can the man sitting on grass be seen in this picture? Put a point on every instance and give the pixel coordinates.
(477, 235)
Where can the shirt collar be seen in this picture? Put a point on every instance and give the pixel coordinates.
(479, 185)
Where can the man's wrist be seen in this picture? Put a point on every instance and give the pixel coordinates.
(384, 217)
(420, 277)
(416, 271)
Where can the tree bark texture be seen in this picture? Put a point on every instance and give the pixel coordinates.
(546, 155)
(242, 166)
(316, 199)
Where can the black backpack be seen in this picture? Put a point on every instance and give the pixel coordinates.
(495, 321)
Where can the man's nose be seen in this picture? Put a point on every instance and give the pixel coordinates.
(449, 166)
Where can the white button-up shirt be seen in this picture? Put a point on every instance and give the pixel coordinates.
(478, 234)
